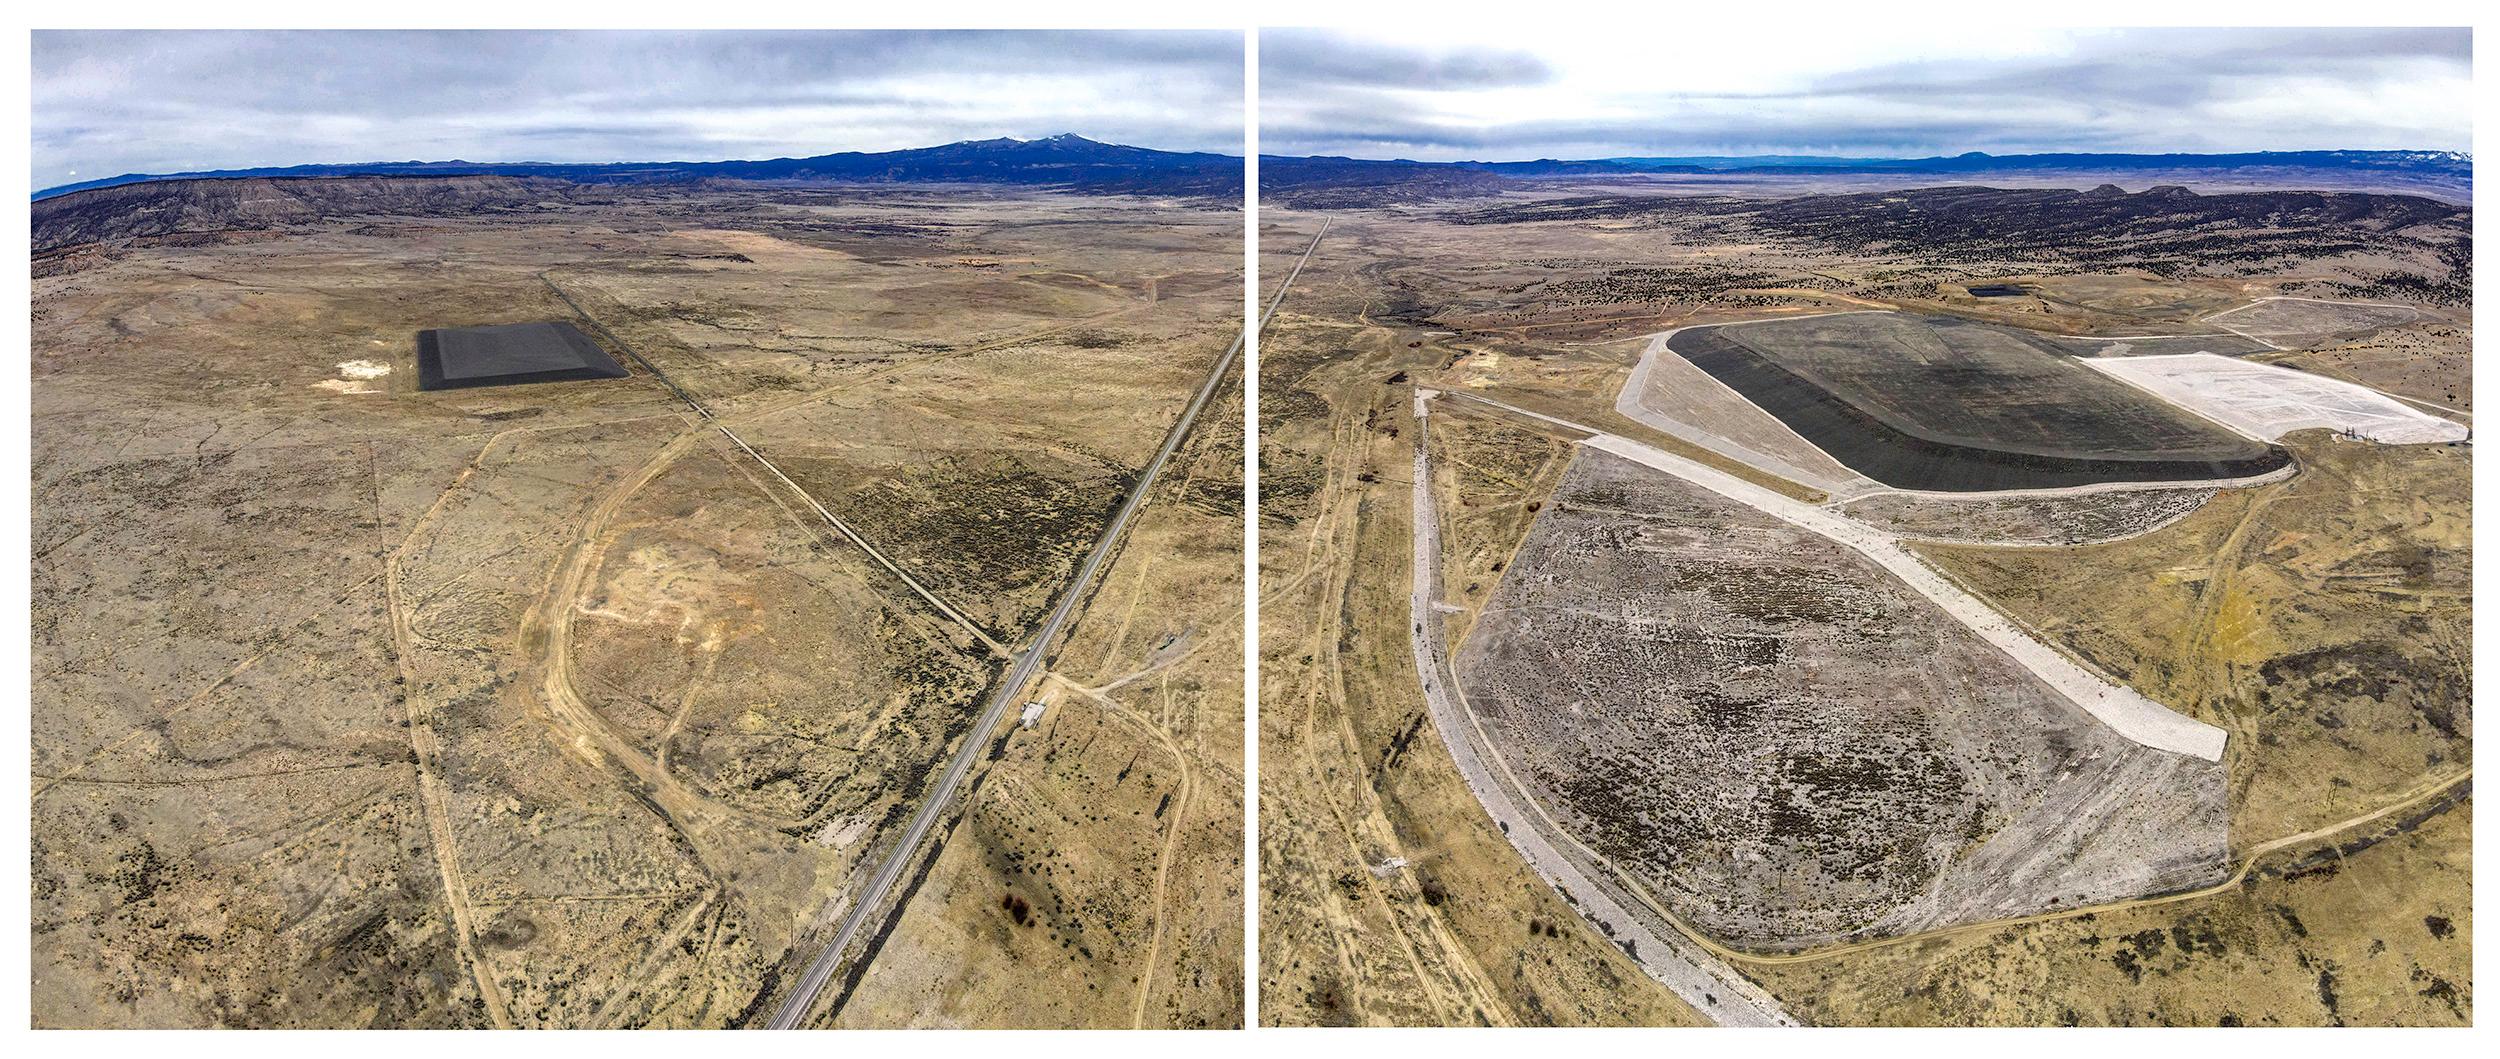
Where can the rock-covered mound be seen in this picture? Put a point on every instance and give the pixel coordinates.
(1791, 747)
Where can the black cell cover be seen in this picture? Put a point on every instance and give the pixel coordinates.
(455, 358)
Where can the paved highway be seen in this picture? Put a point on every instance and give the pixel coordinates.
(1287, 285)
(802, 998)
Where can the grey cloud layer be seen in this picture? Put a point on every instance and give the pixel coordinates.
(107, 103)
(1316, 58)
(2140, 90)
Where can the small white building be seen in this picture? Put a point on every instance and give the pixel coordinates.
(1033, 712)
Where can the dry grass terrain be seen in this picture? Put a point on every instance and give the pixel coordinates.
(1094, 878)
(2427, 362)
(1496, 476)
(550, 706)
(1387, 897)
(2324, 621)
(2328, 937)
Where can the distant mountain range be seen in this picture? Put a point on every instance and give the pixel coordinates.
(2442, 162)
(1076, 163)
(1344, 181)
(1066, 160)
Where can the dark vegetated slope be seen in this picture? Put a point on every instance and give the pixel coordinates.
(2441, 175)
(2447, 164)
(172, 207)
(2442, 166)
(2424, 247)
(1068, 161)
(2171, 221)
(999, 532)
(1354, 183)
(2014, 433)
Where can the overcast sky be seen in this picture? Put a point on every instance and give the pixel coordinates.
(156, 102)
(1553, 88)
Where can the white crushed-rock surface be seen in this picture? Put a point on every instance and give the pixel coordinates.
(2266, 402)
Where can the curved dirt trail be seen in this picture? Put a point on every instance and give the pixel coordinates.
(1446, 981)
(1184, 794)
(1438, 992)
(546, 635)
(428, 750)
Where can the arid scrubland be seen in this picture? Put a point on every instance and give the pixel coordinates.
(555, 705)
